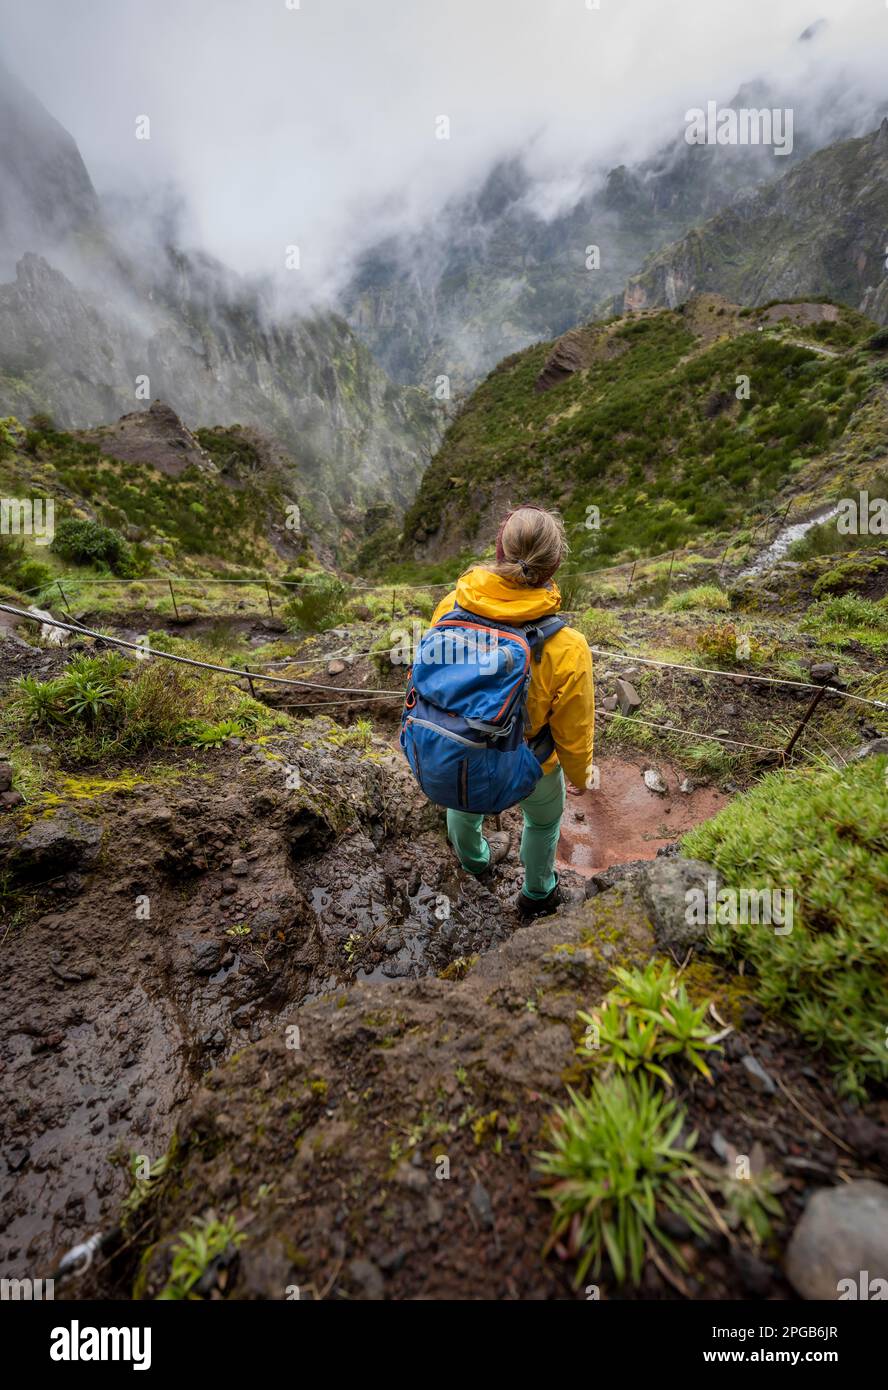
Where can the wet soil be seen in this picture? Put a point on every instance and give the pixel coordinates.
(429, 1024)
(622, 820)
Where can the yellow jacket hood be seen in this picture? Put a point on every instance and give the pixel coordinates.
(481, 591)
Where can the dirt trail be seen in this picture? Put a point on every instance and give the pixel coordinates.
(623, 820)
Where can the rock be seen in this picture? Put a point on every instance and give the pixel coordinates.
(842, 1232)
(654, 782)
(205, 957)
(666, 889)
(479, 1200)
(62, 841)
(335, 668)
(240, 867)
(628, 697)
(686, 786)
(758, 1077)
(17, 1158)
(754, 1274)
(729, 711)
(9, 800)
(721, 733)
(868, 1138)
(369, 1279)
(875, 748)
(824, 672)
(5, 777)
(49, 634)
(609, 703)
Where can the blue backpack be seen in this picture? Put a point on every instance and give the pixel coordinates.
(463, 727)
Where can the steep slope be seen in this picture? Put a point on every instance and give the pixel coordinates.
(818, 230)
(46, 190)
(641, 418)
(353, 436)
(90, 328)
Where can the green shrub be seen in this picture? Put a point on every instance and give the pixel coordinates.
(318, 605)
(706, 596)
(89, 543)
(849, 618)
(600, 626)
(646, 1019)
(194, 1251)
(618, 1160)
(105, 704)
(823, 834)
(18, 569)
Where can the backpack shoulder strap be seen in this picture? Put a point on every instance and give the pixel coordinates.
(540, 630)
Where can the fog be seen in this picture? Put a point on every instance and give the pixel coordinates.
(316, 126)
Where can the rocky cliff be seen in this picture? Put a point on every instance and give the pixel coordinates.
(88, 330)
(820, 230)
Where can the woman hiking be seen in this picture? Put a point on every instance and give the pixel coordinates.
(500, 705)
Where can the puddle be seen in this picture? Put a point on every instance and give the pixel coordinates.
(623, 820)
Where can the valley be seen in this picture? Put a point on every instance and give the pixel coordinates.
(264, 1039)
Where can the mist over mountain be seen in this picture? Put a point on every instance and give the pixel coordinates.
(506, 265)
(95, 319)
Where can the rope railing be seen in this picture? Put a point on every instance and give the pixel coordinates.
(370, 695)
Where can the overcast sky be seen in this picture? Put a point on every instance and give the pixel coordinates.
(311, 125)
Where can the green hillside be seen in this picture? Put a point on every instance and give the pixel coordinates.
(646, 418)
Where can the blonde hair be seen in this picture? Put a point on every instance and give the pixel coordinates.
(533, 545)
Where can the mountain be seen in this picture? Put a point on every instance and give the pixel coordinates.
(647, 419)
(90, 328)
(47, 193)
(504, 265)
(820, 230)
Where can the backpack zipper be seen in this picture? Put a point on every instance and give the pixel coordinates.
(446, 733)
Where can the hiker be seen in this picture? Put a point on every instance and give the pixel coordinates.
(472, 743)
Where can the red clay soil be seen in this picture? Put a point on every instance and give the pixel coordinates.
(623, 820)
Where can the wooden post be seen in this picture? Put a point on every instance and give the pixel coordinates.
(268, 596)
(721, 563)
(247, 673)
(805, 717)
(64, 599)
(394, 593)
(631, 576)
(173, 597)
(669, 578)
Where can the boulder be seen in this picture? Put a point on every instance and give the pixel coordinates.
(665, 886)
(842, 1235)
(62, 841)
(824, 672)
(628, 697)
(654, 782)
(873, 749)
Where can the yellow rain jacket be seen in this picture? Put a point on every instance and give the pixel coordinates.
(560, 693)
